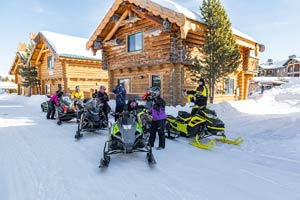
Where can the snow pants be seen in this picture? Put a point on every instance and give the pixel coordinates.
(158, 126)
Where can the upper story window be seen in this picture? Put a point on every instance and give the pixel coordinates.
(50, 62)
(135, 42)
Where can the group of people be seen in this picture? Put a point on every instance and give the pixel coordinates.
(155, 103)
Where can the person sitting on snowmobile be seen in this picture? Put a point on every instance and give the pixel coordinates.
(200, 95)
(103, 98)
(77, 93)
(158, 118)
(54, 100)
(132, 105)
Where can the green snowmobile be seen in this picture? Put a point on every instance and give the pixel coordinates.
(126, 136)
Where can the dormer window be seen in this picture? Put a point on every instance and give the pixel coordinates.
(135, 42)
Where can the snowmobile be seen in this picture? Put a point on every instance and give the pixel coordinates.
(203, 124)
(92, 117)
(45, 104)
(126, 136)
(67, 114)
(144, 119)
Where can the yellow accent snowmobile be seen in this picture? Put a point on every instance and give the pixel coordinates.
(203, 124)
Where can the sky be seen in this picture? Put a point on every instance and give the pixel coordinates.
(275, 23)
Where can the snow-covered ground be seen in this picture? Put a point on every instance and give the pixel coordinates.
(40, 160)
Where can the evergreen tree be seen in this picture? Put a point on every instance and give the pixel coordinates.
(29, 73)
(221, 55)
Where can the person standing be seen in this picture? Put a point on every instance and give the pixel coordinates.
(200, 95)
(158, 118)
(54, 100)
(120, 93)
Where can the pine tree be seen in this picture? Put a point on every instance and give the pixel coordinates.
(221, 55)
(29, 73)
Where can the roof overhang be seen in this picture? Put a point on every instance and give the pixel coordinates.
(186, 24)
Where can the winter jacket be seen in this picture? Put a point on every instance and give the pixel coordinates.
(103, 98)
(120, 95)
(201, 94)
(77, 95)
(55, 99)
(158, 109)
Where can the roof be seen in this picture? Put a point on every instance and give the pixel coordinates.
(194, 16)
(274, 65)
(265, 80)
(297, 59)
(68, 46)
(19, 55)
(166, 9)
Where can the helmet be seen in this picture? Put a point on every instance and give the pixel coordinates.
(202, 80)
(155, 91)
(102, 87)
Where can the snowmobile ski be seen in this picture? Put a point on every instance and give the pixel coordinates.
(209, 145)
(237, 141)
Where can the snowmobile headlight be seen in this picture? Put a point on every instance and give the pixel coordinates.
(127, 127)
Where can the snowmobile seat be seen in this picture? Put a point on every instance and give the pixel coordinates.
(184, 114)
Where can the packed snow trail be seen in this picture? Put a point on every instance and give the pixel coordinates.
(41, 160)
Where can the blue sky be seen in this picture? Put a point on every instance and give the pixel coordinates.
(276, 23)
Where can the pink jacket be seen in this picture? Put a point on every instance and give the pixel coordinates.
(55, 99)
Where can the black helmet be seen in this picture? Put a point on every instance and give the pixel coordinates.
(202, 80)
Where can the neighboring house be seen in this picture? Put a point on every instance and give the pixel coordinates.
(292, 66)
(146, 43)
(62, 59)
(14, 70)
(272, 69)
(9, 87)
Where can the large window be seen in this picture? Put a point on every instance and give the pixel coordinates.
(229, 86)
(156, 81)
(135, 42)
(126, 82)
(50, 62)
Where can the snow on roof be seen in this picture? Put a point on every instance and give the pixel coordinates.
(263, 79)
(273, 65)
(193, 15)
(297, 59)
(69, 46)
(8, 85)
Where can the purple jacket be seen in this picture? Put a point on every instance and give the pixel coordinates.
(55, 99)
(158, 115)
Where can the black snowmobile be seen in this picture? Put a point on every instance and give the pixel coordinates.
(203, 124)
(70, 111)
(126, 136)
(92, 117)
